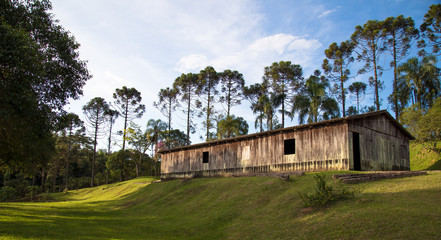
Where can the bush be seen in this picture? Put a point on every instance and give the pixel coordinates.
(8, 193)
(324, 193)
(31, 192)
(19, 184)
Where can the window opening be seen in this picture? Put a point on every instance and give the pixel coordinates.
(290, 146)
(205, 157)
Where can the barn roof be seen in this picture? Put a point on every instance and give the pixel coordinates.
(334, 121)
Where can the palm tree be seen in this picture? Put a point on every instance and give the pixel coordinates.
(422, 77)
(265, 109)
(257, 95)
(156, 129)
(270, 105)
(314, 102)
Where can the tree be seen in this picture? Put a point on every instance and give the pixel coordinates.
(128, 102)
(398, 33)
(40, 71)
(71, 148)
(422, 77)
(254, 93)
(269, 104)
(263, 103)
(72, 133)
(140, 141)
(156, 129)
(168, 102)
(111, 115)
(116, 163)
(314, 102)
(358, 88)
(369, 47)
(232, 84)
(284, 79)
(95, 111)
(231, 126)
(339, 71)
(187, 84)
(176, 139)
(431, 30)
(208, 81)
(351, 111)
(424, 124)
(402, 96)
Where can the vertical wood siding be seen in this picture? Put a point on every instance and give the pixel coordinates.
(323, 148)
(383, 147)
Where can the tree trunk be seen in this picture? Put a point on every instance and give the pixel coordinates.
(110, 135)
(107, 176)
(53, 182)
(125, 125)
(229, 100)
(169, 124)
(395, 87)
(151, 166)
(94, 149)
(343, 97)
(208, 113)
(188, 118)
(283, 112)
(377, 97)
(261, 124)
(358, 106)
(42, 180)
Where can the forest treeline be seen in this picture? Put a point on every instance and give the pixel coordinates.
(45, 149)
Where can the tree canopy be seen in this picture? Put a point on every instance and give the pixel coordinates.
(431, 30)
(128, 103)
(369, 47)
(285, 79)
(40, 71)
(338, 71)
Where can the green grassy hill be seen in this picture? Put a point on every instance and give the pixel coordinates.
(230, 208)
(422, 158)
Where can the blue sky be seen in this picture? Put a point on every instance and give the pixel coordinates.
(148, 44)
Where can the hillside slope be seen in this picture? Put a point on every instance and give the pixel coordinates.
(230, 208)
(422, 158)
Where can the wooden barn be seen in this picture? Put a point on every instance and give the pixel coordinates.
(371, 141)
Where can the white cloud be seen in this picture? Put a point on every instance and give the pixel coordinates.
(327, 12)
(192, 63)
(252, 58)
(277, 43)
(304, 44)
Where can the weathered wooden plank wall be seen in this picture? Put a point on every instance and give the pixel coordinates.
(383, 143)
(323, 148)
(383, 146)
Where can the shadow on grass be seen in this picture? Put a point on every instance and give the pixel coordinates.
(435, 166)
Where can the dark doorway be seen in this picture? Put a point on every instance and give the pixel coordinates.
(356, 150)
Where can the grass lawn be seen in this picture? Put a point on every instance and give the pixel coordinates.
(230, 208)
